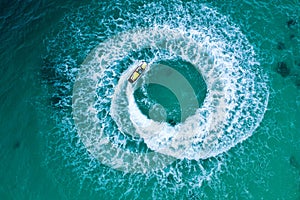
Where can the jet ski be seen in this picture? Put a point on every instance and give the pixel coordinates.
(136, 74)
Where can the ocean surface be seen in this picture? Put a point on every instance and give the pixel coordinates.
(216, 115)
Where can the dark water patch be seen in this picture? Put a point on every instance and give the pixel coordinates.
(291, 23)
(282, 69)
(53, 71)
(16, 145)
(48, 71)
(281, 46)
(294, 162)
(297, 76)
(58, 76)
(297, 82)
(292, 36)
(172, 122)
(55, 100)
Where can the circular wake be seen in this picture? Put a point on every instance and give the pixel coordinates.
(107, 116)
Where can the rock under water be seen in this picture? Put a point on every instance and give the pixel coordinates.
(294, 162)
(280, 46)
(290, 23)
(282, 69)
(16, 145)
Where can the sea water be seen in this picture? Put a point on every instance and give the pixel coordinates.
(72, 127)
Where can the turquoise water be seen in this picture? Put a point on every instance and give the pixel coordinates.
(45, 156)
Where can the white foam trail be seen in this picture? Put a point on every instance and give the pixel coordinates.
(234, 105)
(204, 134)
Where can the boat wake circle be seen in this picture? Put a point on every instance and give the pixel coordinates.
(106, 112)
